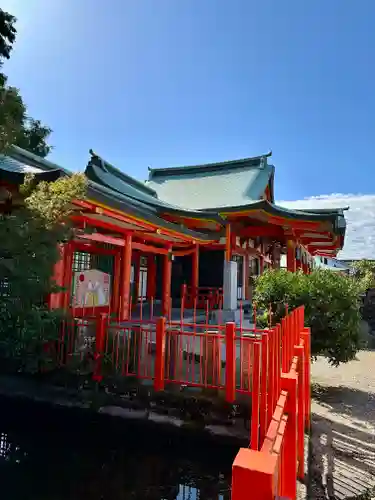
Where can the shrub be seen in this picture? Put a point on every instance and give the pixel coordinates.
(332, 308)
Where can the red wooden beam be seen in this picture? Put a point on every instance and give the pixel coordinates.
(149, 248)
(103, 238)
(83, 220)
(254, 231)
(80, 246)
(182, 253)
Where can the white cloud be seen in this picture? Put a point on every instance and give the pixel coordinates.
(360, 219)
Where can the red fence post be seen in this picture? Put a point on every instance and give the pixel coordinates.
(284, 345)
(99, 343)
(160, 355)
(306, 335)
(271, 395)
(264, 387)
(289, 467)
(230, 365)
(253, 475)
(299, 351)
(255, 393)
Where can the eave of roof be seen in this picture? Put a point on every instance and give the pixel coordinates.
(223, 166)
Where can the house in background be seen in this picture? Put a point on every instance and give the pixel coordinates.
(332, 264)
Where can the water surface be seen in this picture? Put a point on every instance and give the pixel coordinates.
(47, 454)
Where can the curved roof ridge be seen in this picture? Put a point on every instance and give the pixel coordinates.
(135, 183)
(258, 161)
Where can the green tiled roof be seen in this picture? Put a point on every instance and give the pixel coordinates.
(214, 185)
(205, 191)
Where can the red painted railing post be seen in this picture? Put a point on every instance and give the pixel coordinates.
(254, 475)
(289, 467)
(264, 387)
(299, 351)
(306, 335)
(160, 355)
(255, 397)
(271, 394)
(230, 365)
(99, 344)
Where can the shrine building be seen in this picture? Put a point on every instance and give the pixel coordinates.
(193, 233)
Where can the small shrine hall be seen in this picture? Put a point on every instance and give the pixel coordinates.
(186, 233)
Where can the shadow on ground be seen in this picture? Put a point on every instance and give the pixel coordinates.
(346, 401)
(342, 448)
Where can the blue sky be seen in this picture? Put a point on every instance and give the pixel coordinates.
(174, 82)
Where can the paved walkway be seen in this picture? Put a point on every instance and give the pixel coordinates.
(343, 428)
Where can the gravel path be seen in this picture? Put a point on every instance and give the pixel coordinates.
(343, 428)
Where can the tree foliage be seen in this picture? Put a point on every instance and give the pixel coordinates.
(332, 308)
(365, 274)
(16, 127)
(29, 240)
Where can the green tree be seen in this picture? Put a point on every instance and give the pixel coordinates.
(332, 308)
(365, 274)
(7, 38)
(15, 126)
(29, 238)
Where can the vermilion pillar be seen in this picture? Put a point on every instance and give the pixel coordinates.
(167, 278)
(291, 256)
(56, 299)
(68, 274)
(151, 277)
(116, 284)
(126, 265)
(195, 269)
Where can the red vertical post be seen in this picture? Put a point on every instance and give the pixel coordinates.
(255, 393)
(126, 264)
(291, 256)
(299, 351)
(254, 475)
(289, 467)
(167, 278)
(264, 388)
(99, 346)
(306, 335)
(160, 355)
(68, 274)
(271, 398)
(151, 277)
(116, 284)
(284, 345)
(230, 366)
(55, 300)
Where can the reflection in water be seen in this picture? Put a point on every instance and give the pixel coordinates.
(50, 455)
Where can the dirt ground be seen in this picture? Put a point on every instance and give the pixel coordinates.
(342, 448)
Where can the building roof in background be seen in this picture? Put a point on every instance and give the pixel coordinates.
(18, 162)
(212, 192)
(214, 185)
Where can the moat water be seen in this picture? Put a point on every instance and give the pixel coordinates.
(50, 454)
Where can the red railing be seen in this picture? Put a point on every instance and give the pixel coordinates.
(278, 459)
(198, 297)
(271, 367)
